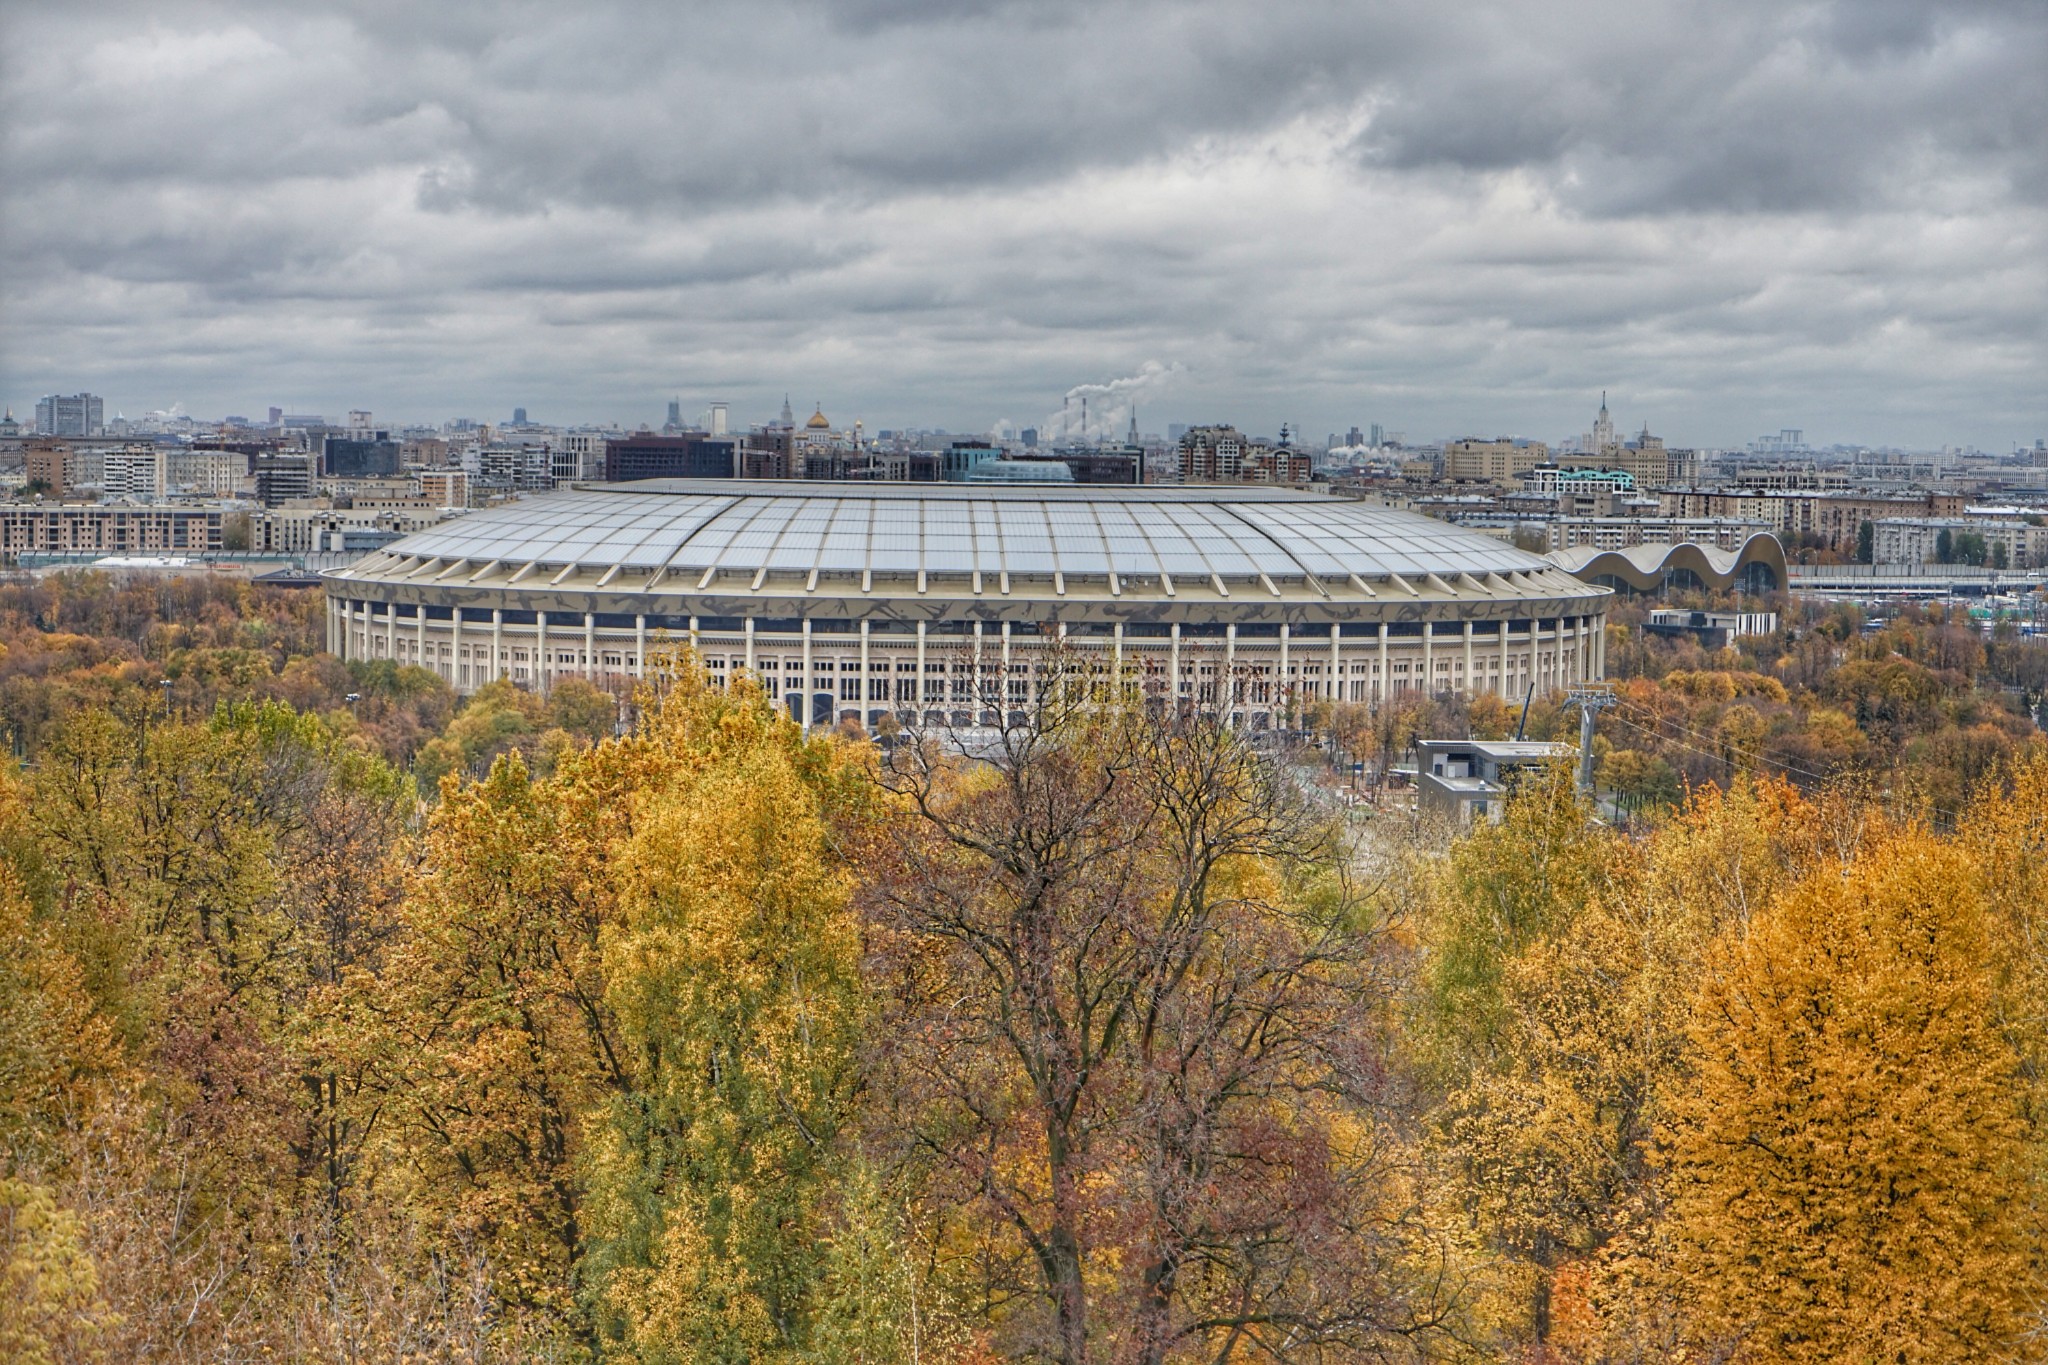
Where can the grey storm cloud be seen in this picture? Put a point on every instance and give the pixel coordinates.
(1735, 215)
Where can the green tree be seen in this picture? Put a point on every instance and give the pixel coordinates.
(1503, 887)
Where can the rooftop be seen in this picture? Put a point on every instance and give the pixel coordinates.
(744, 527)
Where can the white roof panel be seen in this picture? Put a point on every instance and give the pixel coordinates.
(1080, 530)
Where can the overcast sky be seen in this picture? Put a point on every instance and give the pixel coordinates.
(1733, 215)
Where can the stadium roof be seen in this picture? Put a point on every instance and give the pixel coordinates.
(730, 527)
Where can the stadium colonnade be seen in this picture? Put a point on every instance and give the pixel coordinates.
(931, 601)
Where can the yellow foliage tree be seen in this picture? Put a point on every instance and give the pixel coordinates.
(732, 969)
(1847, 1178)
(492, 1039)
(50, 1304)
(1550, 1131)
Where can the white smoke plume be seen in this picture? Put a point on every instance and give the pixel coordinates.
(1108, 407)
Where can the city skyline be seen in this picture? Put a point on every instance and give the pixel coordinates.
(1830, 218)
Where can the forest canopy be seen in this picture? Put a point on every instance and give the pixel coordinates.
(341, 1021)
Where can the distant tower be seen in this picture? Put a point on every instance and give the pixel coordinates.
(788, 418)
(1132, 438)
(1603, 428)
(675, 414)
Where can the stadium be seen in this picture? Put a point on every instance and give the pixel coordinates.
(856, 602)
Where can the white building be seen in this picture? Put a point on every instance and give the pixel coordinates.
(2010, 541)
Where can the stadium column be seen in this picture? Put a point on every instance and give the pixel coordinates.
(590, 645)
(497, 643)
(1503, 688)
(1284, 688)
(1004, 691)
(455, 665)
(804, 692)
(333, 630)
(917, 691)
(640, 645)
(419, 623)
(1335, 690)
(1227, 694)
(391, 630)
(867, 688)
(1469, 689)
(749, 623)
(978, 679)
(1428, 657)
(540, 652)
(1173, 665)
(1600, 647)
(1383, 685)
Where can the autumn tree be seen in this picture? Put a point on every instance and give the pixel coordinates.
(731, 966)
(1132, 1029)
(1847, 1176)
(493, 1033)
(1549, 1113)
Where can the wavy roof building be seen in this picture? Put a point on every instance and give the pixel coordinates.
(1757, 567)
(857, 600)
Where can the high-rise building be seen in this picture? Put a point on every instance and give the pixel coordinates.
(1212, 455)
(674, 423)
(134, 472)
(1499, 461)
(519, 417)
(362, 454)
(1600, 442)
(78, 414)
(671, 457)
(964, 457)
(1379, 435)
(281, 477)
(48, 466)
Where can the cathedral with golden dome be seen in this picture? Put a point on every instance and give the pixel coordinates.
(818, 435)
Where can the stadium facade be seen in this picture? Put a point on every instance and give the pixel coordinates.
(856, 601)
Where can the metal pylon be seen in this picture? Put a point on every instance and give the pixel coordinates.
(1591, 699)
